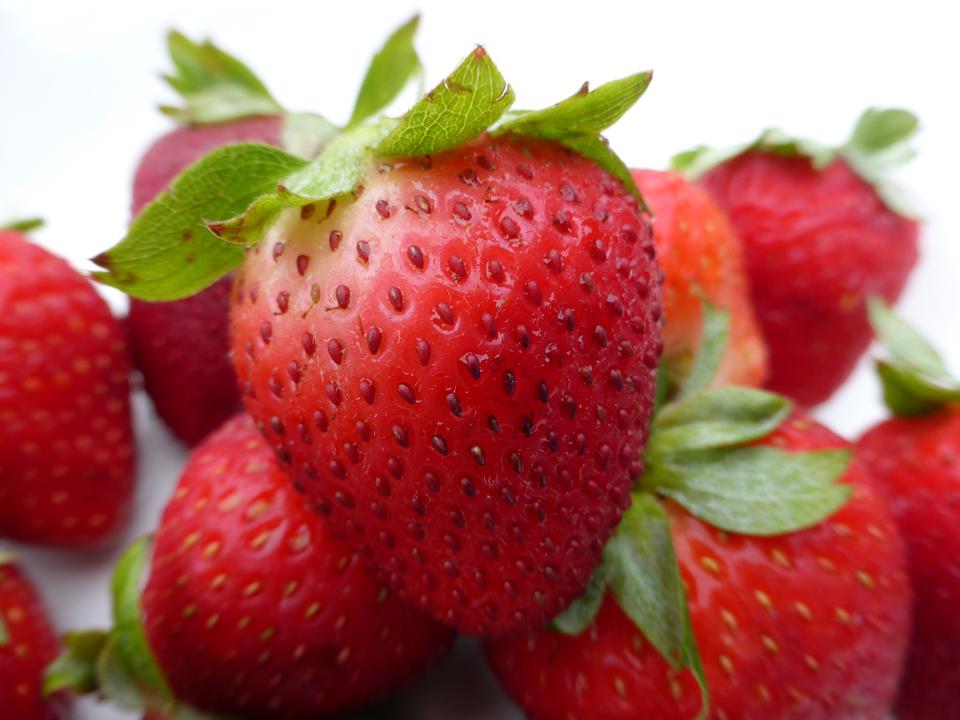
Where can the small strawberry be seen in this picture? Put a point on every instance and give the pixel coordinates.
(251, 609)
(915, 457)
(702, 258)
(447, 335)
(66, 442)
(27, 644)
(822, 232)
(784, 598)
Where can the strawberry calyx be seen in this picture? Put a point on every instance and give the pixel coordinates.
(191, 235)
(879, 142)
(702, 455)
(23, 226)
(914, 377)
(118, 664)
(216, 87)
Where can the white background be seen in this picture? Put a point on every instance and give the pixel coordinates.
(79, 82)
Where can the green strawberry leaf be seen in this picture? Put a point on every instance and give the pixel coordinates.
(75, 670)
(215, 86)
(23, 226)
(714, 334)
(389, 72)
(115, 680)
(4, 633)
(458, 110)
(879, 142)
(716, 418)
(915, 380)
(586, 112)
(128, 637)
(336, 172)
(306, 134)
(581, 612)
(168, 252)
(757, 490)
(118, 685)
(578, 121)
(879, 131)
(645, 579)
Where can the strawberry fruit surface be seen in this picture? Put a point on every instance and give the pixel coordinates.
(67, 453)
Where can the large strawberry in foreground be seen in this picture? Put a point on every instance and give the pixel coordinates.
(27, 645)
(754, 570)
(66, 441)
(251, 609)
(182, 347)
(448, 335)
(822, 232)
(915, 458)
(702, 259)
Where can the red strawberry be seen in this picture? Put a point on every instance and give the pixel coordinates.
(251, 609)
(27, 645)
(66, 456)
(807, 625)
(702, 258)
(463, 380)
(448, 337)
(181, 347)
(819, 239)
(916, 459)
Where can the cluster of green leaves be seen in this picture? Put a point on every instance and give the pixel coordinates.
(190, 236)
(879, 143)
(915, 379)
(118, 664)
(700, 455)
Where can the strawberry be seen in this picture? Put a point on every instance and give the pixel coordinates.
(181, 348)
(810, 624)
(821, 233)
(27, 644)
(251, 608)
(67, 455)
(915, 457)
(702, 258)
(447, 335)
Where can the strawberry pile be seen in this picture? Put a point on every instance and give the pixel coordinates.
(464, 371)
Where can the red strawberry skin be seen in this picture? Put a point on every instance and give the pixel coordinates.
(917, 462)
(67, 454)
(818, 243)
(702, 258)
(809, 625)
(181, 347)
(463, 385)
(30, 647)
(253, 609)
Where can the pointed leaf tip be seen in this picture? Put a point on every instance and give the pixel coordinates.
(391, 68)
(644, 577)
(75, 670)
(473, 97)
(215, 86)
(915, 379)
(23, 226)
